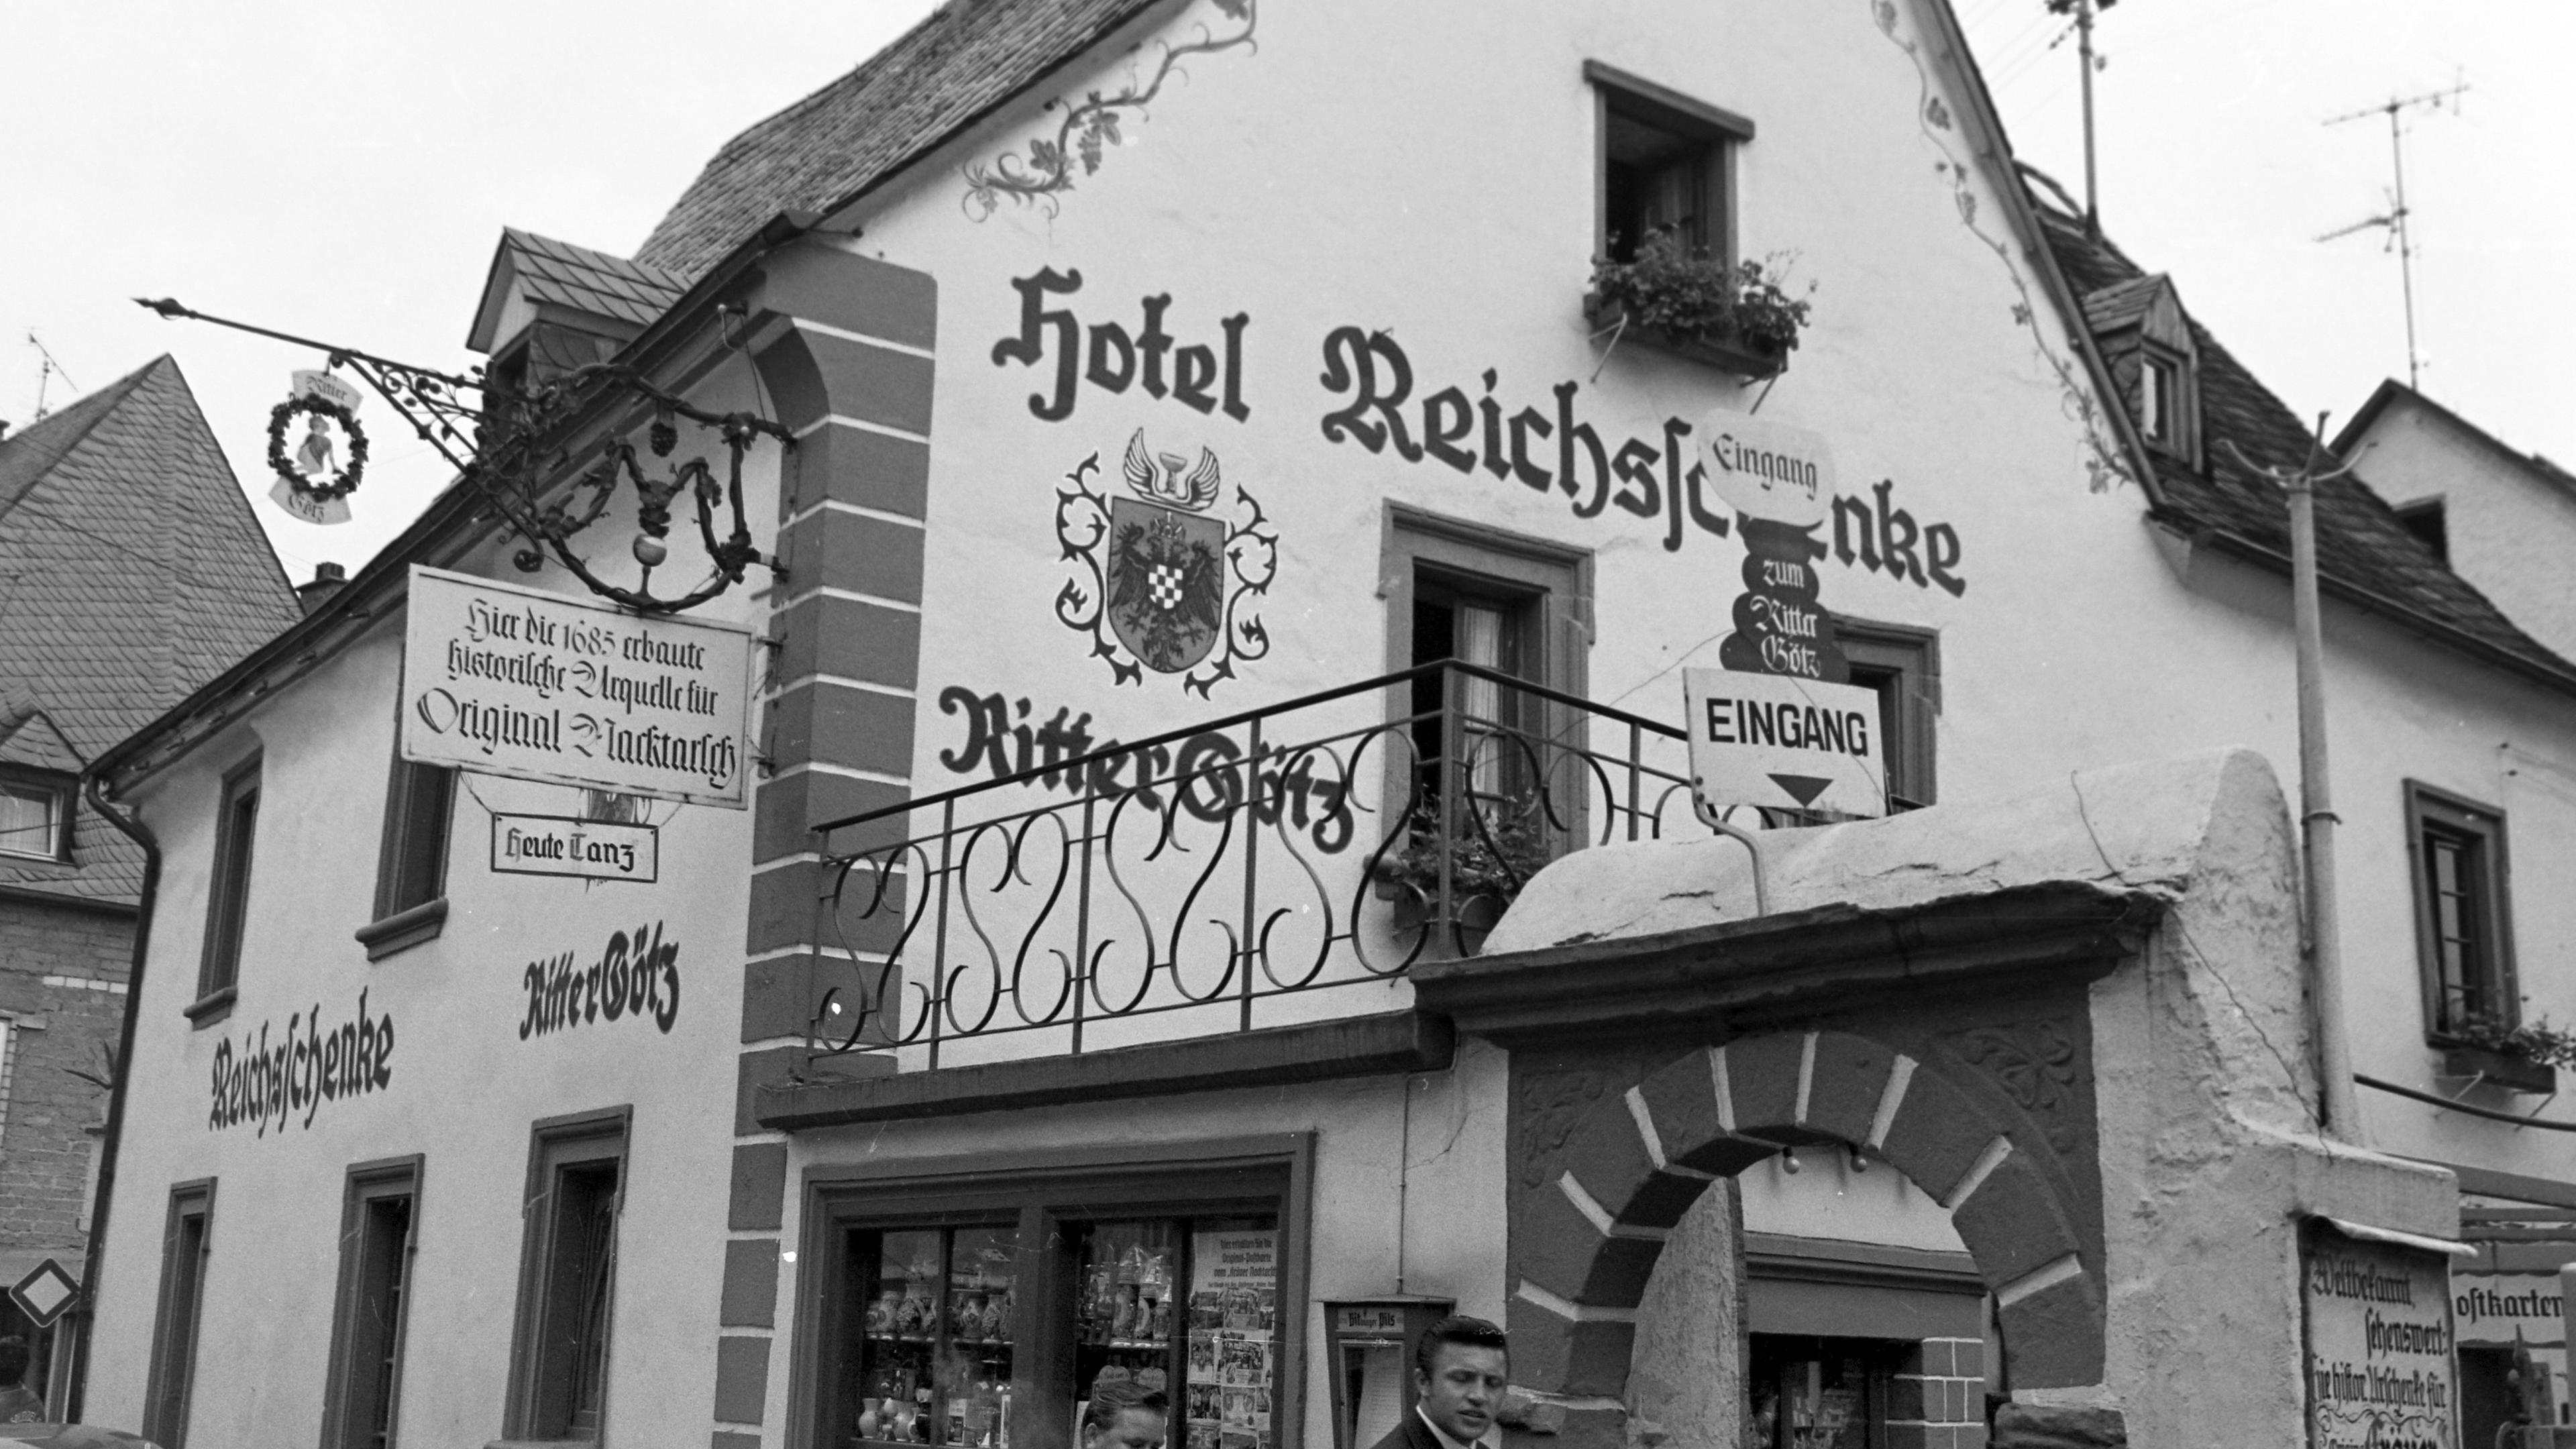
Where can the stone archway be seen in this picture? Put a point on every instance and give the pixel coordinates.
(1586, 1242)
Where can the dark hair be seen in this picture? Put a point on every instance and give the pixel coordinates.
(1461, 1330)
(14, 1355)
(1112, 1397)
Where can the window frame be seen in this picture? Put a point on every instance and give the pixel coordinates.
(1044, 1190)
(228, 894)
(2485, 825)
(2179, 437)
(1718, 130)
(400, 923)
(367, 1184)
(1463, 555)
(65, 794)
(166, 1406)
(555, 1145)
(1913, 654)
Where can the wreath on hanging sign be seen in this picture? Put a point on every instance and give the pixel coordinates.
(279, 459)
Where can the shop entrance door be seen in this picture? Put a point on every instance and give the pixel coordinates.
(1821, 1393)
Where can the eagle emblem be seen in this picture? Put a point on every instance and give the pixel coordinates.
(1162, 580)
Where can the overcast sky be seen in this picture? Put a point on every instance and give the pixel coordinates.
(345, 173)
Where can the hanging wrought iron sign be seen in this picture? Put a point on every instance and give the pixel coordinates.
(314, 476)
(513, 446)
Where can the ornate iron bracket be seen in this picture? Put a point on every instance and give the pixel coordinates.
(509, 444)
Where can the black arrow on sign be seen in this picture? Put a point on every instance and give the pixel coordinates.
(1802, 788)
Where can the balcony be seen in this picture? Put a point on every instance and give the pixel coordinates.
(1279, 867)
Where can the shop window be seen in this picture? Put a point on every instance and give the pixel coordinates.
(983, 1314)
(35, 816)
(228, 901)
(1903, 666)
(376, 1216)
(411, 869)
(1820, 1393)
(567, 1278)
(26, 1366)
(1665, 165)
(2462, 932)
(186, 1241)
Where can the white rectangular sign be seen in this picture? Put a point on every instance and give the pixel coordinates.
(590, 849)
(1780, 741)
(513, 681)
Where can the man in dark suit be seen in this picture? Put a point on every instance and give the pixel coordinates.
(1460, 1369)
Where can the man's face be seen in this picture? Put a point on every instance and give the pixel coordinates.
(1464, 1386)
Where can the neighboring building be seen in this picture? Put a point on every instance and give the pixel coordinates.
(131, 571)
(1223, 554)
(2503, 520)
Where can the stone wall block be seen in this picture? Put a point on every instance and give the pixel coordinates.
(759, 1196)
(783, 905)
(815, 279)
(786, 811)
(847, 639)
(1762, 1079)
(1681, 1096)
(742, 1378)
(750, 1284)
(835, 724)
(815, 374)
(1559, 1249)
(1938, 1134)
(2013, 1222)
(853, 552)
(2054, 1336)
(1610, 1161)
(1851, 1076)
(2048, 1426)
(1560, 1356)
(782, 995)
(839, 464)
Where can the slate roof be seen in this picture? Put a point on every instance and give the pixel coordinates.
(2122, 303)
(131, 572)
(943, 75)
(2363, 552)
(593, 282)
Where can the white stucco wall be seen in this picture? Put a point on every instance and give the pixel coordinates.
(2509, 527)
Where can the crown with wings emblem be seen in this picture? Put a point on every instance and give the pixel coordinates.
(1157, 477)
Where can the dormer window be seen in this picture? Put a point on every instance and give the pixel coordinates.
(2160, 401)
(2145, 335)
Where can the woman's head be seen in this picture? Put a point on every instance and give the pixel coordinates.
(1124, 1415)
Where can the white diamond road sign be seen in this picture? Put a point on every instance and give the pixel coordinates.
(44, 1293)
(1784, 742)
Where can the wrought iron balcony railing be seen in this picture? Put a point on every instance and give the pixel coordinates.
(1225, 875)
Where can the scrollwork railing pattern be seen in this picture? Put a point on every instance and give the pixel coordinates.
(1220, 877)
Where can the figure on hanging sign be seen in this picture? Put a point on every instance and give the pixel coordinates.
(1167, 583)
(312, 484)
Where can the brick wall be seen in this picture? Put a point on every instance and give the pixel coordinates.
(1937, 1399)
(62, 982)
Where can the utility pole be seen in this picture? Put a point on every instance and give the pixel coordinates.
(2083, 10)
(2339, 1108)
(2394, 219)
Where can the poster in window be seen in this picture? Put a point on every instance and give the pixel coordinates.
(1233, 1315)
(2379, 1344)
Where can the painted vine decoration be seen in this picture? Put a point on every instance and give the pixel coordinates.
(308, 483)
(2103, 463)
(1088, 129)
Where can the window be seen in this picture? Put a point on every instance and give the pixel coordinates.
(567, 1278)
(367, 1321)
(185, 1243)
(984, 1302)
(1666, 164)
(35, 811)
(2428, 520)
(1904, 666)
(228, 903)
(1498, 601)
(2166, 414)
(411, 869)
(2462, 932)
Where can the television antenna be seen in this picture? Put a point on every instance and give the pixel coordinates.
(45, 374)
(2400, 240)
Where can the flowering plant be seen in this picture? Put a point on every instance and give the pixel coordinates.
(1692, 297)
(2536, 1042)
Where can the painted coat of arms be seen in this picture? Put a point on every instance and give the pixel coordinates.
(1167, 579)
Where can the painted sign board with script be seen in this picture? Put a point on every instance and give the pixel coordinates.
(511, 681)
(587, 849)
(1768, 470)
(1781, 741)
(2380, 1371)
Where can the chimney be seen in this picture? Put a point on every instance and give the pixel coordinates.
(327, 579)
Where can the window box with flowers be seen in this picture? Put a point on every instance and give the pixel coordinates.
(2521, 1058)
(1739, 318)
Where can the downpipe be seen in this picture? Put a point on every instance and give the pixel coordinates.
(86, 1313)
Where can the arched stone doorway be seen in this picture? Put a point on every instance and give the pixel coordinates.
(1586, 1240)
